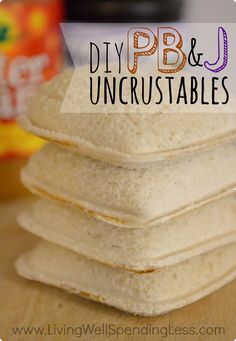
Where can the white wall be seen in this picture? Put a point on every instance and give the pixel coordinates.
(210, 11)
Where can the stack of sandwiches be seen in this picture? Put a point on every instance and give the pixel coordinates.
(136, 211)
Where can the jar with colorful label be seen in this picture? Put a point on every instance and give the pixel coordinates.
(30, 53)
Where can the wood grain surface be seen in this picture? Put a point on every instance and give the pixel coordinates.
(29, 304)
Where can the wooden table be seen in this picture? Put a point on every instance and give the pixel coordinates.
(30, 304)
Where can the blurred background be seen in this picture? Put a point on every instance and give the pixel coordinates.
(32, 51)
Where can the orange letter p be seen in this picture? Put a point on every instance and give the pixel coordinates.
(135, 49)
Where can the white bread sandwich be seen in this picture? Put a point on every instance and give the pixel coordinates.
(138, 250)
(127, 138)
(132, 197)
(146, 294)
